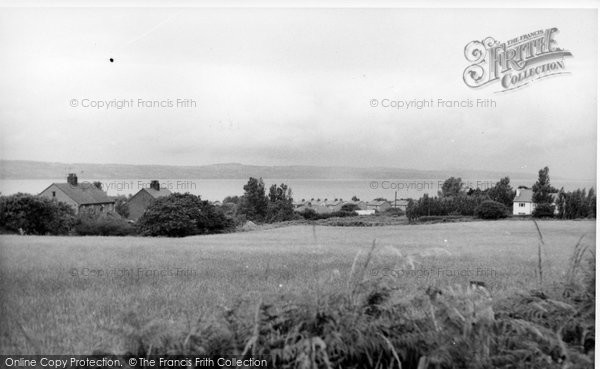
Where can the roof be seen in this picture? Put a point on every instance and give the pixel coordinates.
(84, 193)
(377, 203)
(156, 194)
(526, 195)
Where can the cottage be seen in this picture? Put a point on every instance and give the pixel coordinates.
(144, 198)
(81, 196)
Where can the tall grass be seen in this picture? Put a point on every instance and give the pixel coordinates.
(372, 324)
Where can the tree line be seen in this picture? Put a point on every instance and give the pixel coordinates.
(179, 215)
(495, 202)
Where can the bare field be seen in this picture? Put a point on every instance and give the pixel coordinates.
(68, 295)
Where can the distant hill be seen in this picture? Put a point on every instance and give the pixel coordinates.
(20, 169)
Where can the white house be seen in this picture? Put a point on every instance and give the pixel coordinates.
(523, 202)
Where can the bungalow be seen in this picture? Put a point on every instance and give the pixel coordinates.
(81, 196)
(379, 206)
(523, 202)
(144, 198)
(401, 204)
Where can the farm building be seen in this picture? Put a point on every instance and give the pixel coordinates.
(81, 196)
(144, 198)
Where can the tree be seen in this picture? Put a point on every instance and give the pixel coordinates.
(591, 202)
(542, 190)
(543, 210)
(452, 187)
(354, 198)
(502, 192)
(576, 204)
(231, 199)
(280, 205)
(122, 206)
(490, 209)
(180, 215)
(35, 215)
(97, 184)
(253, 204)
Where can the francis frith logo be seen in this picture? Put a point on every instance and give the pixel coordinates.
(516, 62)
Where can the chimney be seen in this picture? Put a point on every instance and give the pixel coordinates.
(155, 185)
(72, 179)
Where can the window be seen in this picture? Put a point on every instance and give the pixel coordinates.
(53, 193)
(521, 204)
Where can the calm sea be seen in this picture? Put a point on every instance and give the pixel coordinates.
(217, 189)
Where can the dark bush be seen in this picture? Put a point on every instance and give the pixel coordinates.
(122, 206)
(349, 208)
(394, 212)
(543, 210)
(91, 223)
(35, 215)
(310, 214)
(440, 218)
(180, 215)
(491, 209)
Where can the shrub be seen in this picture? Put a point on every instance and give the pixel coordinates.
(394, 212)
(122, 206)
(180, 215)
(91, 223)
(279, 211)
(349, 208)
(310, 214)
(35, 215)
(490, 209)
(544, 210)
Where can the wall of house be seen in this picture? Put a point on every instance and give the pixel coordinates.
(138, 204)
(59, 196)
(98, 208)
(526, 209)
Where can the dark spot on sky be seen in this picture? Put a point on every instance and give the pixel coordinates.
(111, 60)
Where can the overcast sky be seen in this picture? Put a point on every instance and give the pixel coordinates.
(289, 86)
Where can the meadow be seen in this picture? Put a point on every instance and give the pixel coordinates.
(70, 295)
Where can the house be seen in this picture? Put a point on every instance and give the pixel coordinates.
(379, 206)
(81, 196)
(144, 198)
(365, 212)
(401, 204)
(523, 202)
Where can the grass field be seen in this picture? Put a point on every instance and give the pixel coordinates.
(68, 295)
